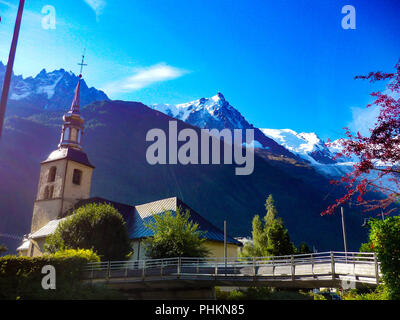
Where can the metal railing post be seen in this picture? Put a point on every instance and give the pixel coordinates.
(254, 269)
(144, 269)
(197, 267)
(333, 265)
(161, 267)
(179, 267)
(92, 271)
(126, 269)
(292, 267)
(376, 268)
(273, 268)
(109, 269)
(312, 265)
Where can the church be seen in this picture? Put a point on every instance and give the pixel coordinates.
(64, 185)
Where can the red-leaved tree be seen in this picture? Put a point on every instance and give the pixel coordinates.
(378, 154)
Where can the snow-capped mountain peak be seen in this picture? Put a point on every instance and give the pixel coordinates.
(305, 144)
(214, 112)
(50, 90)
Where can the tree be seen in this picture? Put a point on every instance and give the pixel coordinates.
(385, 241)
(278, 239)
(175, 236)
(3, 249)
(303, 248)
(378, 153)
(95, 226)
(270, 239)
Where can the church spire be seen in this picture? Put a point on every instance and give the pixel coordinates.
(77, 97)
(73, 123)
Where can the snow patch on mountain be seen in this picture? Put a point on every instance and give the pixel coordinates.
(50, 90)
(214, 112)
(305, 144)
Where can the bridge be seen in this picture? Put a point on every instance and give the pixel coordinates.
(316, 270)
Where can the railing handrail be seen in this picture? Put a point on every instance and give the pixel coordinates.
(319, 257)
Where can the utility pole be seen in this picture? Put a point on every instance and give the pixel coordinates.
(10, 64)
(344, 230)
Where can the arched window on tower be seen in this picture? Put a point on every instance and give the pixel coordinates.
(79, 136)
(46, 193)
(51, 191)
(73, 135)
(66, 134)
(52, 174)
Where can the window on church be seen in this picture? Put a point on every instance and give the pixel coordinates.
(73, 135)
(52, 174)
(66, 134)
(51, 191)
(46, 192)
(77, 176)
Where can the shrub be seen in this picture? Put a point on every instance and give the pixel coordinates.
(385, 241)
(21, 277)
(99, 227)
(380, 293)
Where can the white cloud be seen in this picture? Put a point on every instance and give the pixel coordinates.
(6, 3)
(363, 119)
(96, 5)
(144, 77)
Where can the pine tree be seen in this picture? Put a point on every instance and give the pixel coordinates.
(270, 239)
(303, 248)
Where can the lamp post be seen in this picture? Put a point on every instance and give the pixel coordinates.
(10, 64)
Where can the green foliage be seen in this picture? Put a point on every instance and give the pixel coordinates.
(21, 277)
(278, 239)
(303, 248)
(86, 254)
(366, 247)
(265, 293)
(380, 293)
(175, 236)
(3, 249)
(270, 239)
(385, 240)
(95, 226)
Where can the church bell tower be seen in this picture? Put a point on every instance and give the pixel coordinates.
(66, 174)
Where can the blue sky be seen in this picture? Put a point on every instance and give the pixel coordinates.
(283, 64)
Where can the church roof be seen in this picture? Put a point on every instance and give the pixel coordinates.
(24, 245)
(46, 230)
(136, 217)
(69, 154)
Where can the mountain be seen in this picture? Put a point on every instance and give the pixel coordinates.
(47, 90)
(115, 141)
(314, 150)
(217, 113)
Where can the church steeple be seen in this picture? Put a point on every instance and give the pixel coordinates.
(73, 123)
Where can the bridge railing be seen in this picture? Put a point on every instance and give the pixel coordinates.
(332, 264)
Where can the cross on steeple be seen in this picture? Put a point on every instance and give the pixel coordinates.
(82, 64)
